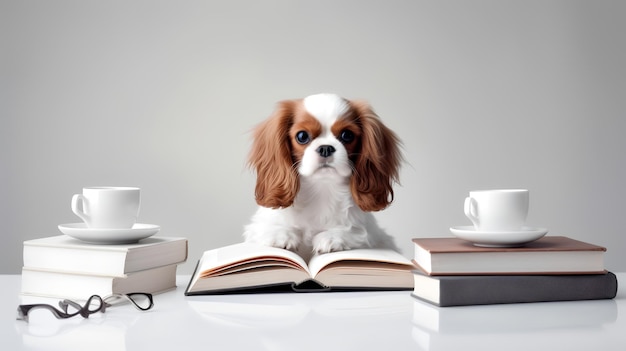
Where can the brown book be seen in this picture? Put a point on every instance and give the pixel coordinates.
(548, 255)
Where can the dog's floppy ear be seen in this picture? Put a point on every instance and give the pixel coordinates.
(277, 183)
(378, 162)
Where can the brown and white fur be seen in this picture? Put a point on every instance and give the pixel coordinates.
(323, 163)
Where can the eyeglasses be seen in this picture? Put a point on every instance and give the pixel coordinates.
(94, 304)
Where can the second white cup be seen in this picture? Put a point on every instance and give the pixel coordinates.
(107, 207)
(497, 210)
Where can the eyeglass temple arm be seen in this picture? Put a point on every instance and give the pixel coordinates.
(83, 310)
(23, 310)
(129, 297)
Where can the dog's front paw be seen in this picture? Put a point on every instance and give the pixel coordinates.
(329, 241)
(282, 238)
(285, 239)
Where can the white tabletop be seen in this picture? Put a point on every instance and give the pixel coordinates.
(319, 321)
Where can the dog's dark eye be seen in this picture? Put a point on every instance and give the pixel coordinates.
(302, 137)
(346, 136)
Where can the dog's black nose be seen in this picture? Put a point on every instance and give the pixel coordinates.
(325, 150)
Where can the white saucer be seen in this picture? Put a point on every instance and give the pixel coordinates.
(109, 236)
(498, 239)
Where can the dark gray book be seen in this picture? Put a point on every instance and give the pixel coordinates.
(463, 290)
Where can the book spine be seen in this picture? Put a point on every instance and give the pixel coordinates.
(78, 261)
(482, 290)
(81, 286)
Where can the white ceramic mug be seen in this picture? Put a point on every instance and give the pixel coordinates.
(497, 210)
(107, 207)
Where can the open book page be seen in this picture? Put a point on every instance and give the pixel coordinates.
(246, 265)
(320, 262)
(246, 256)
(363, 268)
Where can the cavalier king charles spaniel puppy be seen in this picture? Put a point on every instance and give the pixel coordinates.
(323, 163)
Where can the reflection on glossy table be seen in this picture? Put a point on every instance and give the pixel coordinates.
(319, 321)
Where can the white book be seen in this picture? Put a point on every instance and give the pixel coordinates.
(65, 254)
(81, 286)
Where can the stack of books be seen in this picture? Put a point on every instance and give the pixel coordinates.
(454, 272)
(64, 267)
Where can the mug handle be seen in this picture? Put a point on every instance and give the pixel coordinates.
(470, 210)
(80, 213)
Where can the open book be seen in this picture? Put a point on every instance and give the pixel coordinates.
(246, 267)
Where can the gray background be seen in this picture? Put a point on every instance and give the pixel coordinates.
(163, 95)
